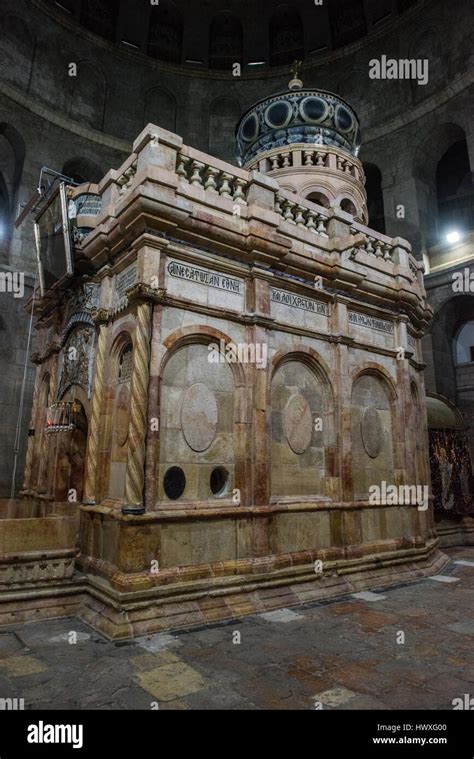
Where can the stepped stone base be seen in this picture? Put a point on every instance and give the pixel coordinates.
(120, 615)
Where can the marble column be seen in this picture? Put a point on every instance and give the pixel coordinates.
(135, 472)
(31, 440)
(90, 480)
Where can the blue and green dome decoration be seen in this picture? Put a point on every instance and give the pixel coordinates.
(298, 115)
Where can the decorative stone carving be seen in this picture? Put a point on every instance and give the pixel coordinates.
(372, 432)
(49, 570)
(77, 360)
(298, 423)
(199, 416)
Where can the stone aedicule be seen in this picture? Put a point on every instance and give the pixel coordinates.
(246, 389)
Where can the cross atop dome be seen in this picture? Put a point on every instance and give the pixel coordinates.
(296, 83)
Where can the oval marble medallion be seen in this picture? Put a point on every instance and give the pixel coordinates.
(199, 415)
(371, 431)
(298, 423)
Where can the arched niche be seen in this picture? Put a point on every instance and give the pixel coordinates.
(70, 449)
(197, 430)
(165, 32)
(431, 178)
(89, 95)
(12, 156)
(320, 198)
(371, 433)
(223, 116)
(160, 108)
(454, 190)
(302, 428)
(225, 41)
(463, 343)
(17, 50)
(286, 36)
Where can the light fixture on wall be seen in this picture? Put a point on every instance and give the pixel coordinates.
(453, 236)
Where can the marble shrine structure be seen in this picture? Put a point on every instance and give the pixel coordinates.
(233, 366)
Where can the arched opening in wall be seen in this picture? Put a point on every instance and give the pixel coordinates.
(223, 116)
(121, 368)
(372, 433)
(89, 95)
(319, 198)
(450, 460)
(348, 206)
(197, 461)
(448, 354)
(375, 204)
(71, 454)
(455, 190)
(347, 21)
(160, 108)
(165, 32)
(286, 36)
(225, 41)
(100, 17)
(82, 170)
(16, 51)
(5, 213)
(12, 156)
(302, 428)
(463, 344)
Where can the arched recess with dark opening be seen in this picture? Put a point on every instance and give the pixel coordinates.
(375, 204)
(454, 189)
(225, 41)
(286, 36)
(165, 32)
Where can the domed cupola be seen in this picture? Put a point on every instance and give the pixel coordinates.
(309, 139)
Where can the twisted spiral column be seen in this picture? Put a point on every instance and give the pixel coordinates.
(135, 473)
(90, 481)
(31, 440)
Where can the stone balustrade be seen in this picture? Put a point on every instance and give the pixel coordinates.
(211, 177)
(306, 214)
(320, 157)
(375, 244)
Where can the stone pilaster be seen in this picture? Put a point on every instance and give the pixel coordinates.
(135, 473)
(31, 440)
(90, 480)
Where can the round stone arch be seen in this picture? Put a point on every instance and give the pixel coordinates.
(204, 417)
(301, 425)
(323, 194)
(373, 432)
